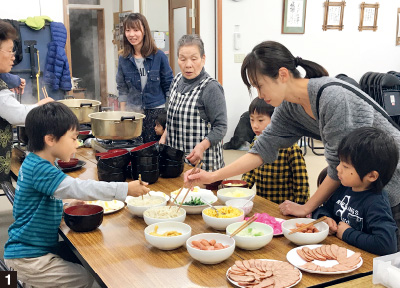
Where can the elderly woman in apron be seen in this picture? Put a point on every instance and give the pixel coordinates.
(196, 115)
(11, 112)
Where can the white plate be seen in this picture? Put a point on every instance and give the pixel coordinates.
(162, 194)
(297, 261)
(236, 283)
(109, 206)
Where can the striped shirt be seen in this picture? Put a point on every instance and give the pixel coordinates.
(36, 212)
(284, 179)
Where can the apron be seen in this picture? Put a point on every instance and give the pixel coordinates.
(185, 127)
(6, 137)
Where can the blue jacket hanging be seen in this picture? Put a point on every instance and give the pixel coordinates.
(57, 73)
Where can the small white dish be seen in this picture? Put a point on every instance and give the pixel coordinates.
(211, 256)
(251, 242)
(168, 242)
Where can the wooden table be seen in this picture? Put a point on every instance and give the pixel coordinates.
(118, 255)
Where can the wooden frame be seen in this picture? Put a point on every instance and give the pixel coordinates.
(294, 16)
(333, 18)
(368, 17)
(398, 28)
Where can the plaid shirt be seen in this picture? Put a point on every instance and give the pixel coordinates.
(285, 179)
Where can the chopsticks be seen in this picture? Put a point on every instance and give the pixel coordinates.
(45, 92)
(244, 225)
(183, 186)
(141, 182)
(308, 225)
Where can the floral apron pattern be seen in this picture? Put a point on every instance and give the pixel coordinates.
(6, 137)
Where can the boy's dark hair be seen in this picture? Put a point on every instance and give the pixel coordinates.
(52, 118)
(261, 107)
(162, 119)
(370, 149)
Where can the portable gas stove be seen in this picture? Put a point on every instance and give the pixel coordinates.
(100, 145)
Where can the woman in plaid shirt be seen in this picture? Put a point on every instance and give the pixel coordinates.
(284, 179)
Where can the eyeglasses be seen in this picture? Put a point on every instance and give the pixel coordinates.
(9, 52)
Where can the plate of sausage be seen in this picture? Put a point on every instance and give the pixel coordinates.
(325, 259)
(263, 273)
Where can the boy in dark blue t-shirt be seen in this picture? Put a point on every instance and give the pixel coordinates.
(359, 210)
(32, 246)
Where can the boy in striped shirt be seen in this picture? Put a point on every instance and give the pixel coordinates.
(32, 246)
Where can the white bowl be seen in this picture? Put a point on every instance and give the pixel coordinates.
(168, 242)
(211, 256)
(221, 223)
(190, 209)
(300, 238)
(151, 220)
(251, 242)
(225, 194)
(138, 210)
(238, 203)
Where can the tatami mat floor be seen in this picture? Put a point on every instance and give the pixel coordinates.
(314, 165)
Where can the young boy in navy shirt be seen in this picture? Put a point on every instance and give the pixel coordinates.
(33, 238)
(359, 210)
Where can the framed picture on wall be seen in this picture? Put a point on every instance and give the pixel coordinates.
(368, 17)
(294, 16)
(333, 18)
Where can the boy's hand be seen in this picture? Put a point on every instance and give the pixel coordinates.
(341, 228)
(136, 189)
(332, 225)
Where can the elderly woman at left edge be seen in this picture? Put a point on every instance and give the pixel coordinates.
(11, 111)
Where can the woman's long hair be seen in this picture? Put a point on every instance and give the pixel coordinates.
(137, 21)
(268, 57)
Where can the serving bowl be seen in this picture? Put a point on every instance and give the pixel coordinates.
(171, 153)
(68, 164)
(300, 238)
(226, 194)
(137, 206)
(211, 256)
(111, 177)
(83, 218)
(116, 159)
(196, 209)
(148, 149)
(239, 203)
(168, 242)
(234, 184)
(163, 214)
(221, 223)
(251, 242)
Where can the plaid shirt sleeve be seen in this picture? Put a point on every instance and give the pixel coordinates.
(301, 188)
(249, 177)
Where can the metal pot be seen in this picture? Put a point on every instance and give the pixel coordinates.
(82, 108)
(116, 125)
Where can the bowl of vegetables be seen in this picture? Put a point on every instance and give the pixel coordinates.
(253, 237)
(194, 202)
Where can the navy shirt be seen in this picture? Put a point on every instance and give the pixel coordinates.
(369, 215)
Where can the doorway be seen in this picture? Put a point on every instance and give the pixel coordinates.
(87, 47)
(182, 20)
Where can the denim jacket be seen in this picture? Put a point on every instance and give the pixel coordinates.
(159, 77)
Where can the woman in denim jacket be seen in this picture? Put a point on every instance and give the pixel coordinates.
(144, 75)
